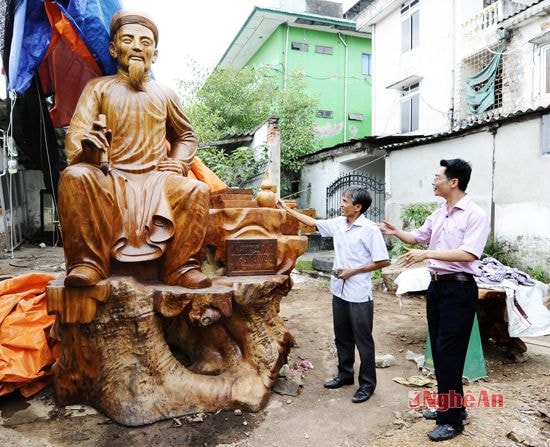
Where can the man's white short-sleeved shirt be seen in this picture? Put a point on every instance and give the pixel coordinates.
(354, 246)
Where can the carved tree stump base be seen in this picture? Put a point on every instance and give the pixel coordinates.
(154, 351)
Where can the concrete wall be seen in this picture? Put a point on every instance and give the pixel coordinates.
(522, 198)
(318, 176)
(33, 182)
(372, 166)
(410, 172)
(314, 178)
(25, 200)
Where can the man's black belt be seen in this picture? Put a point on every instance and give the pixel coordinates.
(459, 276)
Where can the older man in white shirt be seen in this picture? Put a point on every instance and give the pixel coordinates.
(359, 249)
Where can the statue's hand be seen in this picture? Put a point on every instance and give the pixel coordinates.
(177, 166)
(94, 145)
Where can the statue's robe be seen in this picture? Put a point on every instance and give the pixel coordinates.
(135, 212)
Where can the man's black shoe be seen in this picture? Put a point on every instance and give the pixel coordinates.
(338, 382)
(431, 415)
(445, 432)
(361, 395)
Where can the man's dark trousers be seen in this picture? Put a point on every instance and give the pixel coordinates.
(451, 307)
(353, 327)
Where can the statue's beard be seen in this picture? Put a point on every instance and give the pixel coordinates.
(136, 73)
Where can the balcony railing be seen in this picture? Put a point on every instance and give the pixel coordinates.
(487, 18)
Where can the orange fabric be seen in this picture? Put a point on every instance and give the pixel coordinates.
(66, 68)
(26, 350)
(62, 27)
(201, 172)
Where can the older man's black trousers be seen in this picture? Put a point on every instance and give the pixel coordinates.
(353, 327)
(451, 307)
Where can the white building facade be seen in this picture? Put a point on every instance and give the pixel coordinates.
(473, 78)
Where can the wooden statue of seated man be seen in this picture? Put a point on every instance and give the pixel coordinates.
(125, 194)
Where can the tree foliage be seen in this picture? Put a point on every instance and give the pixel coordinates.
(228, 102)
(233, 102)
(234, 168)
(296, 111)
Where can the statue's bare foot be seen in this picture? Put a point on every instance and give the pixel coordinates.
(194, 279)
(82, 276)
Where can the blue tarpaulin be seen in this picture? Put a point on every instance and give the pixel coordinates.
(32, 34)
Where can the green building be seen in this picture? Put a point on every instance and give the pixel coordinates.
(334, 58)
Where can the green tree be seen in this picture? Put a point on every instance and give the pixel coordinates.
(231, 102)
(296, 110)
(233, 168)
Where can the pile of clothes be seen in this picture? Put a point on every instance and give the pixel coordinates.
(493, 271)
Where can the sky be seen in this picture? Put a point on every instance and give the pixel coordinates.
(198, 31)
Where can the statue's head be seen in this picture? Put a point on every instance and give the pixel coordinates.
(134, 39)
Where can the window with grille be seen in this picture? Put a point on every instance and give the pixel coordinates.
(410, 26)
(324, 114)
(410, 104)
(545, 70)
(299, 46)
(323, 50)
(366, 64)
(474, 65)
(545, 134)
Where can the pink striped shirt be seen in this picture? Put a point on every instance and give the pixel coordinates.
(465, 226)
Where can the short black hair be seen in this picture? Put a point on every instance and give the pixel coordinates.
(359, 195)
(458, 169)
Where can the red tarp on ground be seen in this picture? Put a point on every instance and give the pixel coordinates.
(26, 349)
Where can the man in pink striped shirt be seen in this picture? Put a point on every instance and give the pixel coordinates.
(456, 234)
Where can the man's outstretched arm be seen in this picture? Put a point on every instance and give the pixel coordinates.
(389, 229)
(306, 220)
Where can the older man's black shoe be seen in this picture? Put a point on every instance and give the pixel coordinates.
(361, 395)
(444, 432)
(338, 382)
(431, 415)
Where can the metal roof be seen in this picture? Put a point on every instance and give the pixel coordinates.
(357, 9)
(360, 144)
(522, 7)
(472, 123)
(400, 141)
(234, 140)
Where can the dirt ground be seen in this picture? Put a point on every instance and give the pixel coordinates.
(315, 416)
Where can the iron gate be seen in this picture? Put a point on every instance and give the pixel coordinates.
(376, 187)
